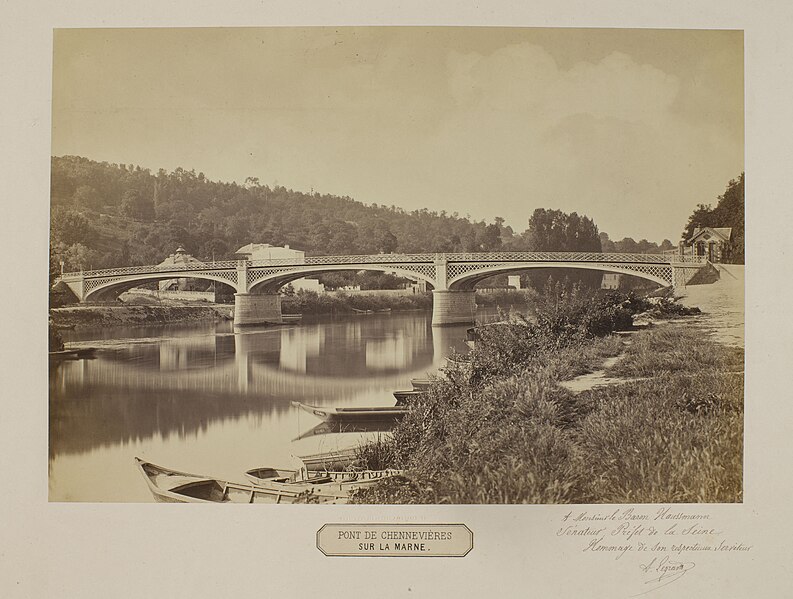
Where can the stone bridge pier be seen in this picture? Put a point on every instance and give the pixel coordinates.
(453, 307)
(257, 308)
(254, 308)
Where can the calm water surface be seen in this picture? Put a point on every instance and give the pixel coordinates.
(214, 400)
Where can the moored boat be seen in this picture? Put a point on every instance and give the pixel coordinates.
(330, 460)
(357, 311)
(73, 354)
(402, 396)
(172, 486)
(383, 424)
(324, 482)
(421, 384)
(356, 413)
(291, 318)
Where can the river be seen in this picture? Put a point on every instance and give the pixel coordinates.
(214, 400)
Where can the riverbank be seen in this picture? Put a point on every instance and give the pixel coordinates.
(87, 316)
(500, 428)
(309, 302)
(141, 310)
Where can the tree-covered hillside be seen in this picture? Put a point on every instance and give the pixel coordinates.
(106, 215)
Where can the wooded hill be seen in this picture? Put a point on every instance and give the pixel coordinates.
(106, 215)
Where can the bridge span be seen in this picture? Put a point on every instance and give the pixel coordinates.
(451, 276)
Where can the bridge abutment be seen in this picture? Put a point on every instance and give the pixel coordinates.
(453, 307)
(253, 308)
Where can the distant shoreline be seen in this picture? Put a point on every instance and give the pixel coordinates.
(84, 316)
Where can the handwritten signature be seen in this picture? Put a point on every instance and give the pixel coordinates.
(663, 571)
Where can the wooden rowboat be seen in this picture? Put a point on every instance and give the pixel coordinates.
(326, 427)
(363, 413)
(402, 396)
(421, 384)
(341, 482)
(73, 354)
(357, 311)
(172, 486)
(330, 460)
(291, 318)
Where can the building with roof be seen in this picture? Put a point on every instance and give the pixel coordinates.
(265, 251)
(178, 258)
(713, 242)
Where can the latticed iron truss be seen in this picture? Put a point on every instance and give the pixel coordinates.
(442, 271)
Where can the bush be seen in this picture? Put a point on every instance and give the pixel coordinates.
(310, 302)
(499, 429)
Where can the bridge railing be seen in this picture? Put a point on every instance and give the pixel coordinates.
(133, 270)
(396, 258)
(567, 257)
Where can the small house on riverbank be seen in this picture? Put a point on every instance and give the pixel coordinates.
(179, 258)
(713, 242)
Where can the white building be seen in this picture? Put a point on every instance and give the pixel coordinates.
(308, 285)
(178, 258)
(611, 280)
(265, 251)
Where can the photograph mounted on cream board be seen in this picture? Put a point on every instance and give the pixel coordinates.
(483, 286)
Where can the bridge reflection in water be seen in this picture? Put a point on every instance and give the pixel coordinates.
(217, 400)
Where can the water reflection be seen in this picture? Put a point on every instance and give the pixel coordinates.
(212, 396)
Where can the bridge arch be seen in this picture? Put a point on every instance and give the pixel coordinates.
(271, 282)
(465, 281)
(109, 290)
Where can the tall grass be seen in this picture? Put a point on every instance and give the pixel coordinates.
(499, 429)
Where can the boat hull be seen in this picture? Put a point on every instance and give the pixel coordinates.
(353, 414)
(172, 486)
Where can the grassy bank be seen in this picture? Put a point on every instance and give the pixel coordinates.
(499, 429)
(132, 315)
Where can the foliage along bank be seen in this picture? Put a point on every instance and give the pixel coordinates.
(499, 428)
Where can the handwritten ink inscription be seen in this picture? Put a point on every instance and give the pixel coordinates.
(664, 541)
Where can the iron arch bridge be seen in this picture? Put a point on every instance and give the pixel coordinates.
(451, 276)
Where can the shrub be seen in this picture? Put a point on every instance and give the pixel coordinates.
(499, 429)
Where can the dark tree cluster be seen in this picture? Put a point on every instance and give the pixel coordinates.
(729, 212)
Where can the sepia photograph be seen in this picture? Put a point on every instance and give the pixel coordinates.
(469, 299)
(396, 265)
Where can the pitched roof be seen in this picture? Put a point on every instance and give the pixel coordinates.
(252, 247)
(180, 257)
(720, 233)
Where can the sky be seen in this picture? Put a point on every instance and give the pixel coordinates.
(631, 127)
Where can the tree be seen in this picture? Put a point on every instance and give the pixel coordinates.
(489, 238)
(554, 230)
(88, 198)
(702, 217)
(384, 240)
(136, 206)
(729, 212)
(68, 227)
(75, 257)
(606, 244)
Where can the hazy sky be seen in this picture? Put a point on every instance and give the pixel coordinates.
(630, 127)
